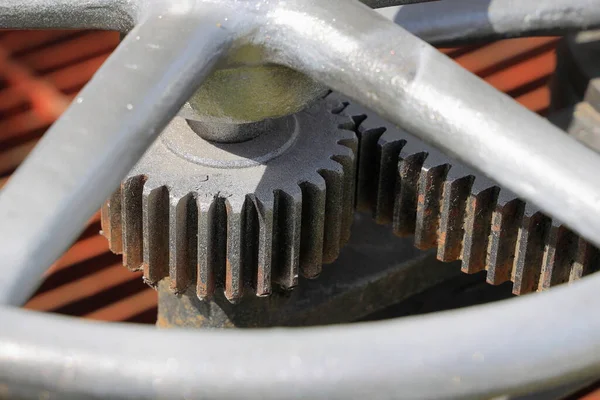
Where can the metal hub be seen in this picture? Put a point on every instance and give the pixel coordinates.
(244, 90)
(270, 139)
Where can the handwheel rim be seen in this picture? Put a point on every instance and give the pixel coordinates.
(457, 354)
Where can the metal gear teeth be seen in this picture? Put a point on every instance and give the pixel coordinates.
(462, 214)
(239, 245)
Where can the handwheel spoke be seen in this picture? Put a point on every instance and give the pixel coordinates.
(455, 22)
(99, 138)
(415, 86)
(65, 14)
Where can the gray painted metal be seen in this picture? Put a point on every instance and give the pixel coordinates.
(121, 15)
(344, 45)
(457, 22)
(512, 346)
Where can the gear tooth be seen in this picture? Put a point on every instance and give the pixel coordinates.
(335, 103)
(212, 245)
(586, 260)
(346, 127)
(405, 207)
(455, 193)
(377, 163)
(550, 258)
(262, 274)
(115, 225)
(348, 138)
(155, 203)
(345, 124)
(105, 228)
(234, 262)
(105, 221)
(132, 189)
(429, 192)
(333, 174)
(356, 112)
(530, 250)
(286, 246)
(183, 220)
(561, 245)
(347, 160)
(506, 220)
(366, 180)
(386, 165)
(312, 226)
(477, 225)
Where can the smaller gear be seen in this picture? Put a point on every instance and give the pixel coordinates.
(238, 216)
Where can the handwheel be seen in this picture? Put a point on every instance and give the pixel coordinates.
(234, 141)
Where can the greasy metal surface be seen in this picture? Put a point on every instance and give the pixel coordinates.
(374, 271)
(242, 93)
(454, 22)
(239, 216)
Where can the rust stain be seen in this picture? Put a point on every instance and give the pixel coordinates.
(441, 237)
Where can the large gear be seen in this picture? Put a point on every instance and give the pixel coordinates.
(466, 216)
(238, 215)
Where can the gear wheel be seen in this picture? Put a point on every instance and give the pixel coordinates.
(238, 215)
(466, 216)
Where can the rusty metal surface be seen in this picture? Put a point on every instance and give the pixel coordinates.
(375, 270)
(465, 216)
